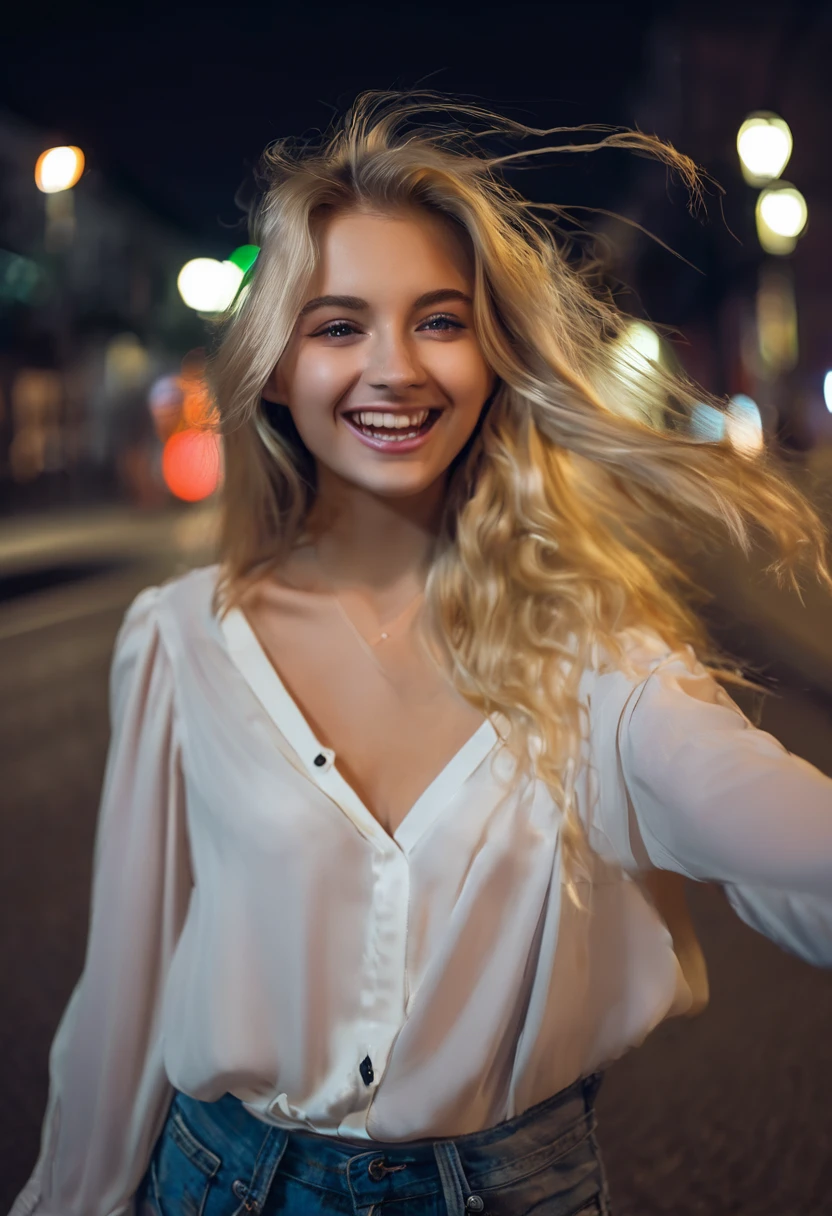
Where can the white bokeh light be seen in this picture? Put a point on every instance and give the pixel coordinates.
(784, 211)
(58, 169)
(207, 285)
(782, 215)
(744, 426)
(764, 145)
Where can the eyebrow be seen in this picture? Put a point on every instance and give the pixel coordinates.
(356, 304)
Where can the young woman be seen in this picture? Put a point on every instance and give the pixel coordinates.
(392, 788)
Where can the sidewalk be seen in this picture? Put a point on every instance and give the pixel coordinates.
(103, 534)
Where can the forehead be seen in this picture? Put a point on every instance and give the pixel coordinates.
(413, 248)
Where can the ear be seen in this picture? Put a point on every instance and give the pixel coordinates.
(270, 389)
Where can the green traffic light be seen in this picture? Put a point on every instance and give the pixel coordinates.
(244, 257)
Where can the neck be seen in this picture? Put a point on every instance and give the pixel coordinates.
(381, 546)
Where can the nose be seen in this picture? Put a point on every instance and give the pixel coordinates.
(394, 363)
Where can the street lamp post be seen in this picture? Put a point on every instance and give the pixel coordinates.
(764, 147)
(57, 171)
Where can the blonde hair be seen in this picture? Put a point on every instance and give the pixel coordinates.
(554, 538)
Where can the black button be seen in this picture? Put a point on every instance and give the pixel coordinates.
(366, 1070)
(320, 759)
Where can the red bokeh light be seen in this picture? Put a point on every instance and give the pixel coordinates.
(191, 464)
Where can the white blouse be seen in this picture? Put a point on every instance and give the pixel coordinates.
(255, 931)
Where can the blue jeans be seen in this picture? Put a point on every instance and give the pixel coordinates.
(216, 1159)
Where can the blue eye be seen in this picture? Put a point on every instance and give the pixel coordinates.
(328, 331)
(447, 320)
(345, 329)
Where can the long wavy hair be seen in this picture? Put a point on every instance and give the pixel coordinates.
(563, 509)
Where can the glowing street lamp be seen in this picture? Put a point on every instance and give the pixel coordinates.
(637, 349)
(782, 215)
(764, 144)
(58, 169)
(209, 286)
(636, 356)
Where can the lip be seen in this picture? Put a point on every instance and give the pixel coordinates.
(388, 447)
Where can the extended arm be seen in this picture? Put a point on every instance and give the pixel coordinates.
(716, 799)
(108, 1092)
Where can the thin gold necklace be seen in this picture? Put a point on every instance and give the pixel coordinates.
(385, 631)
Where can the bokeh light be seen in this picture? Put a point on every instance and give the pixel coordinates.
(207, 285)
(126, 363)
(21, 279)
(784, 210)
(635, 366)
(642, 344)
(782, 215)
(191, 464)
(827, 390)
(165, 403)
(744, 425)
(764, 145)
(244, 256)
(776, 315)
(58, 169)
(636, 350)
(707, 423)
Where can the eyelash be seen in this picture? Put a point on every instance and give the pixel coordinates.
(326, 332)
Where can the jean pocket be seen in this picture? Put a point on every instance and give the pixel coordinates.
(570, 1183)
(530, 1201)
(182, 1170)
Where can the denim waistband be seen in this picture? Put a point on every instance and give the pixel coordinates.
(384, 1172)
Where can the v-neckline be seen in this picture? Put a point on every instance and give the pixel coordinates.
(261, 675)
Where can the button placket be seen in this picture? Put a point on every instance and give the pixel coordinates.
(386, 975)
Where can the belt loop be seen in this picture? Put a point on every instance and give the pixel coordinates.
(265, 1168)
(591, 1085)
(458, 1198)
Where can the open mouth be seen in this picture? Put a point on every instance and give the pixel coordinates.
(393, 434)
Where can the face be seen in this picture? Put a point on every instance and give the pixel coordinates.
(387, 329)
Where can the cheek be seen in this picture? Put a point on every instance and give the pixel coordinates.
(467, 376)
(320, 380)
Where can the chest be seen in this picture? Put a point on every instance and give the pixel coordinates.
(393, 718)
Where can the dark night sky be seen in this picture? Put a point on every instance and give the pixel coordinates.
(178, 102)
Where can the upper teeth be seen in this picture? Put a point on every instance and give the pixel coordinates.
(374, 418)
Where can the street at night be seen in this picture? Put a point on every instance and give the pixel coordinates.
(521, 314)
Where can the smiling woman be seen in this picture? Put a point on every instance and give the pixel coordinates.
(402, 791)
(384, 355)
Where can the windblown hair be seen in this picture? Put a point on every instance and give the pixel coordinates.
(563, 508)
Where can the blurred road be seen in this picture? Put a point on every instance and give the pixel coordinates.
(728, 1113)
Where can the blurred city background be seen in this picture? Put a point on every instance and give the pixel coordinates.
(124, 139)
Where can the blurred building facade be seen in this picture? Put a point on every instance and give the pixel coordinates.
(751, 323)
(90, 317)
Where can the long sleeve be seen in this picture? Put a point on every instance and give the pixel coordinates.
(108, 1091)
(716, 799)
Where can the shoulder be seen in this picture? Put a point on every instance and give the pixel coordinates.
(640, 652)
(180, 599)
(175, 612)
(612, 683)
